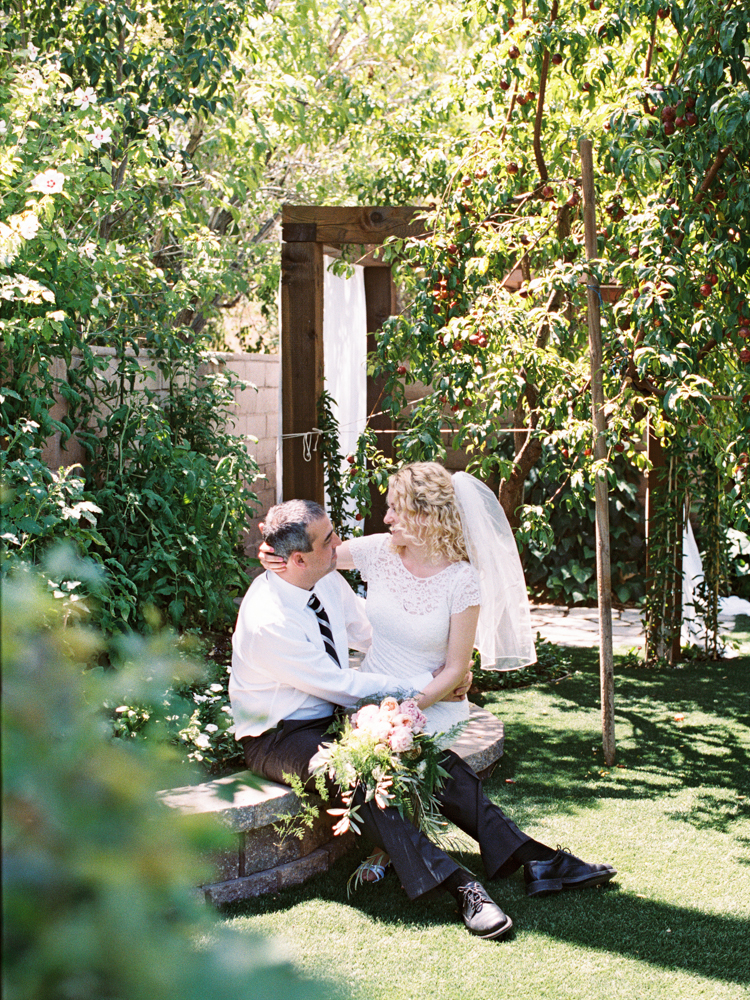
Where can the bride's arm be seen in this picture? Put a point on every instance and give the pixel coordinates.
(463, 629)
(276, 564)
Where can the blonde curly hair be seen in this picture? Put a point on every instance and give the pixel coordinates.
(422, 497)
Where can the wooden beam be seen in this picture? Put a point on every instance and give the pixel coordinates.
(301, 368)
(380, 299)
(354, 224)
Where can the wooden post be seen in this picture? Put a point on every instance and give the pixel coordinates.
(301, 367)
(603, 571)
(380, 304)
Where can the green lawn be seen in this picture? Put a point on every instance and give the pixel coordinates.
(672, 815)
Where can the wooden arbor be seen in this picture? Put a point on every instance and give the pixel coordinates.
(307, 232)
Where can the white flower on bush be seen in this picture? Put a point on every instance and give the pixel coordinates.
(32, 51)
(211, 728)
(152, 131)
(99, 136)
(88, 250)
(50, 182)
(10, 244)
(26, 224)
(84, 98)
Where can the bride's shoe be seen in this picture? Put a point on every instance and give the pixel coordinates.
(371, 870)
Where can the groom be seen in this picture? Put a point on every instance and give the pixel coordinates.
(290, 669)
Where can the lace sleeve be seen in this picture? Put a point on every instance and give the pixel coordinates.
(466, 590)
(364, 551)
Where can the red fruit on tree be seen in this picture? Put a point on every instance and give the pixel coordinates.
(745, 355)
(743, 333)
(705, 289)
(557, 59)
(585, 87)
(668, 113)
(512, 167)
(620, 447)
(357, 517)
(690, 103)
(350, 459)
(669, 128)
(691, 118)
(401, 370)
(458, 344)
(663, 13)
(548, 192)
(514, 52)
(504, 85)
(680, 122)
(712, 279)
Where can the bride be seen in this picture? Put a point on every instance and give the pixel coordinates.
(445, 579)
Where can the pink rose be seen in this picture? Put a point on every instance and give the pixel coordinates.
(364, 718)
(416, 717)
(401, 739)
(389, 706)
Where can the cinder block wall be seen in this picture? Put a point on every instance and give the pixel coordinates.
(257, 416)
(256, 419)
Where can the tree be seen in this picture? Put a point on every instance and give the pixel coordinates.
(664, 93)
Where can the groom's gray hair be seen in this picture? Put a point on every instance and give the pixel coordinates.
(285, 526)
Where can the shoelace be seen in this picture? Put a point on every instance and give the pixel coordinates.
(473, 896)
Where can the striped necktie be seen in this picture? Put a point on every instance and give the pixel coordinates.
(325, 627)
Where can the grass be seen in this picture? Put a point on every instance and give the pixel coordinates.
(672, 814)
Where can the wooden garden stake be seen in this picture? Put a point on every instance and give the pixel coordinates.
(603, 571)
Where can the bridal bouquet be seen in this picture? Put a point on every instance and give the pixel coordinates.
(384, 751)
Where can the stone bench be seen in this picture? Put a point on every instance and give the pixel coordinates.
(250, 806)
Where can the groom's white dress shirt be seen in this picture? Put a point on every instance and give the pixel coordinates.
(280, 668)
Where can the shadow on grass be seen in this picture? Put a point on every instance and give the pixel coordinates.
(672, 937)
(682, 730)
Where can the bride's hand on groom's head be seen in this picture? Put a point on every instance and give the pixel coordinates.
(269, 559)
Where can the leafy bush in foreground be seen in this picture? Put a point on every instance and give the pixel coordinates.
(97, 899)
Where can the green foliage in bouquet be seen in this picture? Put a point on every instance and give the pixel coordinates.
(383, 754)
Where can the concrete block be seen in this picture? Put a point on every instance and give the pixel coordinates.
(241, 888)
(297, 872)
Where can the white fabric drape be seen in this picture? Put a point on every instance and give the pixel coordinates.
(345, 352)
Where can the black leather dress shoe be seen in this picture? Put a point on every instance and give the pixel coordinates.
(481, 915)
(564, 871)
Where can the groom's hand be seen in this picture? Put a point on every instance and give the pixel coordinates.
(458, 693)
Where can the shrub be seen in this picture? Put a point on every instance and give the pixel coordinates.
(97, 898)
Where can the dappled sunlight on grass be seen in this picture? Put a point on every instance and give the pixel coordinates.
(671, 814)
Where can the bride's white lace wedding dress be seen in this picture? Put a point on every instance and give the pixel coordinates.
(410, 617)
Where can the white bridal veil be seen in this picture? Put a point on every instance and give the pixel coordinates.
(504, 636)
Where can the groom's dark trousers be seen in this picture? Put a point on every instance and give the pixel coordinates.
(419, 863)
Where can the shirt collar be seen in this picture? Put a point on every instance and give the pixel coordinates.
(292, 596)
